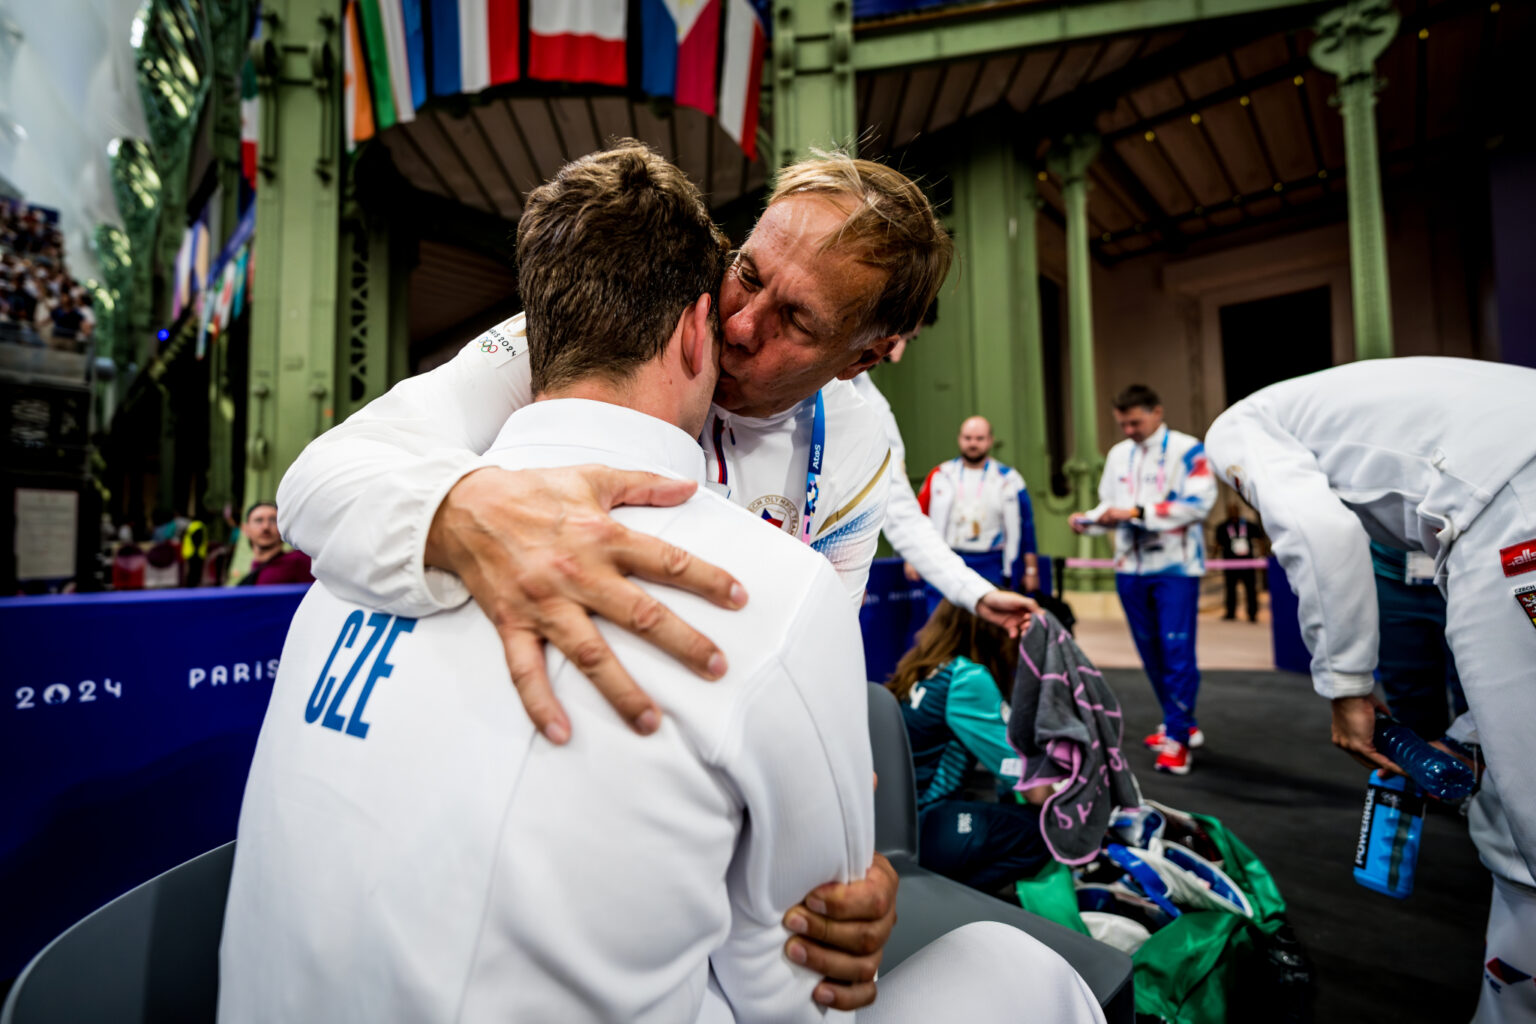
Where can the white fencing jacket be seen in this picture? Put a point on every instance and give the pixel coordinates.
(360, 498)
(909, 529)
(411, 850)
(1169, 477)
(1387, 448)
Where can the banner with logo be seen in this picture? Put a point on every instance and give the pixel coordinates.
(127, 729)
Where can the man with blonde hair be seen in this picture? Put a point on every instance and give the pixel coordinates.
(401, 511)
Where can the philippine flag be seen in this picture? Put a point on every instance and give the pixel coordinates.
(742, 77)
(681, 47)
(577, 41)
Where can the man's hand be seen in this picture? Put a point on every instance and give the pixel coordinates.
(1007, 609)
(1079, 522)
(1354, 723)
(1115, 516)
(910, 573)
(841, 932)
(540, 553)
(1031, 579)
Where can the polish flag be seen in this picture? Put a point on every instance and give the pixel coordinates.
(577, 40)
(741, 80)
(681, 49)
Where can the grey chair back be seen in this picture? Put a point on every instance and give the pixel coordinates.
(151, 955)
(896, 793)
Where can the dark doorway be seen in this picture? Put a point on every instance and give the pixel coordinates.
(1275, 339)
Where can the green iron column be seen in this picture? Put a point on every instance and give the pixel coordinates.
(1070, 161)
(1350, 38)
(294, 316)
(813, 95)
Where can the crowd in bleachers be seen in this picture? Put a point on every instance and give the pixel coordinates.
(40, 303)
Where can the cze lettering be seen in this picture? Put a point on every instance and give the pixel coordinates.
(325, 699)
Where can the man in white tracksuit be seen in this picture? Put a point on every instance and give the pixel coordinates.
(1431, 455)
(820, 291)
(1155, 493)
(412, 849)
(978, 504)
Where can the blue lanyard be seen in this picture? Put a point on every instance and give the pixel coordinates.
(813, 466)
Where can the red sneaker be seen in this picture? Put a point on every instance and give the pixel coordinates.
(1157, 739)
(1173, 758)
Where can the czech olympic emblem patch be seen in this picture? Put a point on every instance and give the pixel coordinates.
(1525, 597)
(777, 511)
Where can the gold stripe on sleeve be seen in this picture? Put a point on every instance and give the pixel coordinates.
(863, 493)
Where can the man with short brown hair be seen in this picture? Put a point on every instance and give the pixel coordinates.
(401, 511)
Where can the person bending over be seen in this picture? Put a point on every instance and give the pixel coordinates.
(953, 686)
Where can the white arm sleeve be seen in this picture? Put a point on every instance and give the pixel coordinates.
(917, 539)
(1106, 499)
(1321, 544)
(801, 763)
(1012, 528)
(360, 498)
(1196, 495)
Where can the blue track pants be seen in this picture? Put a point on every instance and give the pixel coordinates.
(1161, 611)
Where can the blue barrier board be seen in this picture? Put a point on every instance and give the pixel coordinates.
(128, 725)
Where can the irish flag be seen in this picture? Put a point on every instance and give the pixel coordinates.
(742, 77)
(577, 41)
(681, 47)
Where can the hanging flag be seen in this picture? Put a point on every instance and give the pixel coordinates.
(444, 17)
(742, 76)
(376, 62)
(474, 44)
(681, 50)
(577, 41)
(415, 49)
(359, 98)
(250, 113)
(502, 22)
(392, 20)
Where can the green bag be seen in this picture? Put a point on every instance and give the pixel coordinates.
(1187, 971)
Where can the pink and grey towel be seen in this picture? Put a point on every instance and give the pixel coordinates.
(1065, 723)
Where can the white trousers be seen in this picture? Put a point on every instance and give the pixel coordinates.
(1509, 961)
(980, 973)
(1494, 641)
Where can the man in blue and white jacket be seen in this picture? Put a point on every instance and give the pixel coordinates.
(1155, 493)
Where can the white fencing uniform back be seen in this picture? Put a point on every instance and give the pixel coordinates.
(410, 849)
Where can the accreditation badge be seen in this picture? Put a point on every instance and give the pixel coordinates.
(1525, 597)
(1240, 547)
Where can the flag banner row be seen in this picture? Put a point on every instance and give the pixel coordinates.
(705, 54)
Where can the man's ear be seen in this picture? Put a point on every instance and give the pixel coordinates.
(698, 339)
(870, 355)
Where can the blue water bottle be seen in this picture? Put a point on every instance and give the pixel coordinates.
(1389, 835)
(1437, 772)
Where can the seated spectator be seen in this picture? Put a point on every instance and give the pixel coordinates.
(67, 320)
(270, 560)
(954, 686)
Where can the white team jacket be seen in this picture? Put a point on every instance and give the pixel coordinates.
(360, 498)
(1391, 448)
(411, 850)
(977, 515)
(1168, 475)
(908, 529)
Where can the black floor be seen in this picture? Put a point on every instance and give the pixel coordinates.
(1268, 771)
